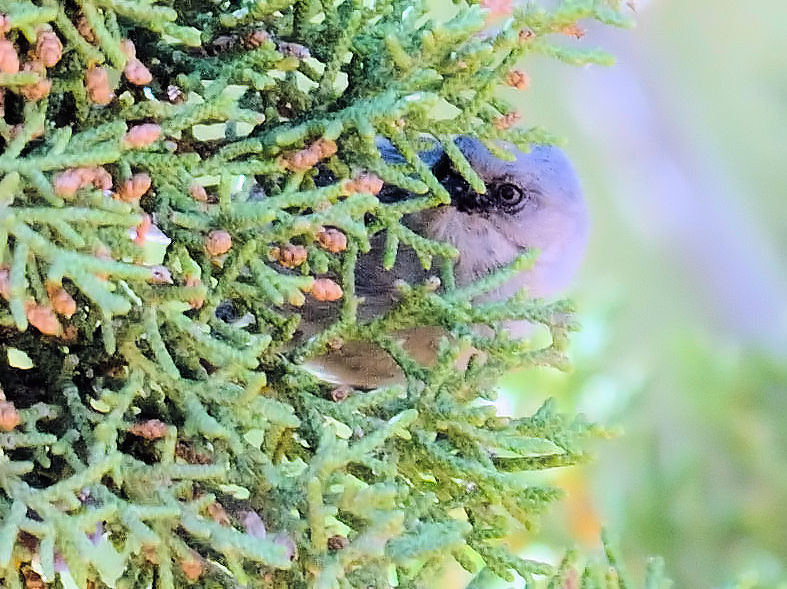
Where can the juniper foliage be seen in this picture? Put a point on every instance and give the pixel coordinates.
(149, 440)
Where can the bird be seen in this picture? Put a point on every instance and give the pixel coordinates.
(533, 202)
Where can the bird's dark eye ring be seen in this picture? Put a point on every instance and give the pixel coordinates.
(509, 195)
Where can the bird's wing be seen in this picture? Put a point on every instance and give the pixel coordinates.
(361, 363)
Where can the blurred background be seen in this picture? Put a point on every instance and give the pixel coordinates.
(683, 298)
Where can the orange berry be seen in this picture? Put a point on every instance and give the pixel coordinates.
(101, 178)
(83, 26)
(142, 230)
(289, 255)
(43, 318)
(150, 554)
(128, 48)
(218, 242)
(325, 148)
(62, 302)
(133, 188)
(506, 121)
(256, 38)
(299, 161)
(367, 183)
(150, 429)
(525, 35)
(305, 159)
(192, 566)
(137, 73)
(66, 184)
(218, 514)
(332, 239)
(573, 30)
(198, 192)
(98, 87)
(9, 59)
(37, 91)
(5, 283)
(49, 49)
(142, 135)
(518, 79)
(9, 416)
(325, 289)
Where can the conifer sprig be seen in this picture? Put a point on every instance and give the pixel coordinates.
(163, 220)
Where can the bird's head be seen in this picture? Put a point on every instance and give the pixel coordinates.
(531, 202)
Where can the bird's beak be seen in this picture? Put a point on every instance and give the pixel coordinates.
(463, 197)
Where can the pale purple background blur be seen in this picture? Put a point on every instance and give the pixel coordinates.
(683, 297)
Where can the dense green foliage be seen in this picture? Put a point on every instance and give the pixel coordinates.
(149, 439)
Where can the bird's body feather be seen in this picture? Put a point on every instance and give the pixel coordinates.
(531, 203)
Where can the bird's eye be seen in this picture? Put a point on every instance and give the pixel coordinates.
(509, 195)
